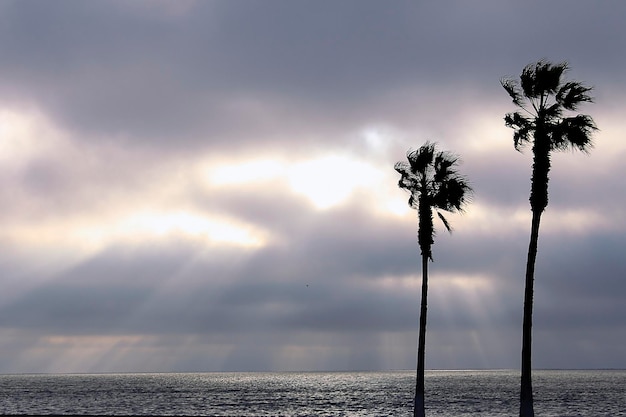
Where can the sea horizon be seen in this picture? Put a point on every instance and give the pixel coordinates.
(449, 393)
(115, 372)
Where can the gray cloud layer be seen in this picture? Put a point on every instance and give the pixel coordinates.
(141, 92)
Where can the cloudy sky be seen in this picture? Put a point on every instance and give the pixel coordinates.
(209, 186)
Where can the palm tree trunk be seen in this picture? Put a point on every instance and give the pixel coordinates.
(526, 392)
(418, 409)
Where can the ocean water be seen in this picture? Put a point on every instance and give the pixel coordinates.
(448, 393)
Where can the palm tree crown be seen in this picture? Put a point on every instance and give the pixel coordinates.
(435, 184)
(545, 98)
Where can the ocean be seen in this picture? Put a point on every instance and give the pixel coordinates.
(448, 393)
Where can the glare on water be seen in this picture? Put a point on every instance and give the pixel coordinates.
(448, 393)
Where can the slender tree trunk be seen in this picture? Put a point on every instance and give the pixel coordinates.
(418, 409)
(526, 392)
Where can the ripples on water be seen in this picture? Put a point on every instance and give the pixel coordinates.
(449, 394)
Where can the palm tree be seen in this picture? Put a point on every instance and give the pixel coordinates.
(435, 184)
(544, 98)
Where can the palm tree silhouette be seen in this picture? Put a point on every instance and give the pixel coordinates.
(544, 98)
(435, 184)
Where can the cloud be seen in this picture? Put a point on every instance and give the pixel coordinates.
(219, 71)
(210, 186)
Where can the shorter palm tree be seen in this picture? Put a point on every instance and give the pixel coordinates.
(435, 184)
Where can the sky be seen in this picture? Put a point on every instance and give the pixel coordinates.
(209, 186)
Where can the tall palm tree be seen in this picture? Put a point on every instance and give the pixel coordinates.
(435, 184)
(544, 99)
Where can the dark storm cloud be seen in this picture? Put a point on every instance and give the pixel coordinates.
(579, 181)
(103, 70)
(582, 182)
(218, 70)
(589, 268)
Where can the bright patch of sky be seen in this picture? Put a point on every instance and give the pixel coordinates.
(325, 181)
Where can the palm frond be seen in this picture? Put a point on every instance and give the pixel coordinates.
(443, 166)
(453, 194)
(401, 167)
(522, 126)
(527, 78)
(572, 94)
(553, 112)
(408, 181)
(548, 76)
(516, 120)
(574, 132)
(541, 78)
(421, 158)
(445, 222)
(512, 88)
